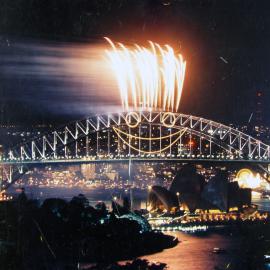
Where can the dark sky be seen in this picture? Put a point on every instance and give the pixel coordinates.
(226, 45)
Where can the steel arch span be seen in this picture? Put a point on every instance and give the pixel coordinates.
(136, 135)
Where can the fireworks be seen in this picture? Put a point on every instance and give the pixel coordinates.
(148, 78)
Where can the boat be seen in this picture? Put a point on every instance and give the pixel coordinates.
(218, 250)
(266, 258)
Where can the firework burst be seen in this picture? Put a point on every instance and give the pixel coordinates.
(148, 78)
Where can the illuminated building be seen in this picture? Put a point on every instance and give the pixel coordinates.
(189, 184)
(247, 179)
(192, 192)
(5, 197)
(88, 171)
(163, 199)
(225, 195)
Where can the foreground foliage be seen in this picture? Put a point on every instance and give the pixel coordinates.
(59, 233)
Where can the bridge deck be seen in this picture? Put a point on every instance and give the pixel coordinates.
(147, 159)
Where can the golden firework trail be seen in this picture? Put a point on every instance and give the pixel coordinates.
(148, 78)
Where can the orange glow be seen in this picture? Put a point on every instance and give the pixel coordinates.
(247, 179)
(191, 143)
(148, 78)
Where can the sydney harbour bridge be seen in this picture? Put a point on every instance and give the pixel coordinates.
(135, 135)
(149, 128)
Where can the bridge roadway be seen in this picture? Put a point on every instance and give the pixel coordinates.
(135, 159)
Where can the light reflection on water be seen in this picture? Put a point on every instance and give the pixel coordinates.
(194, 252)
(263, 204)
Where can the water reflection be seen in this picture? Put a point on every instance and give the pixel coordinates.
(195, 252)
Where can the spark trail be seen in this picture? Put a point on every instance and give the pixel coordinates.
(148, 78)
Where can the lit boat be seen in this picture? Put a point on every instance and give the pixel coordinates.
(266, 258)
(218, 250)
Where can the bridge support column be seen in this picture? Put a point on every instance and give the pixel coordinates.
(200, 145)
(210, 147)
(76, 149)
(150, 135)
(180, 146)
(109, 142)
(190, 143)
(160, 142)
(139, 140)
(118, 146)
(87, 145)
(97, 144)
(129, 141)
(170, 142)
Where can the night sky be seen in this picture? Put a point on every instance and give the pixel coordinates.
(51, 55)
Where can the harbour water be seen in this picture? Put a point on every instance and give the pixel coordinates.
(263, 204)
(195, 252)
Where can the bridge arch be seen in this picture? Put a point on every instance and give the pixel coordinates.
(236, 143)
(139, 135)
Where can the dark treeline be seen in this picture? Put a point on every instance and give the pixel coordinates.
(60, 233)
